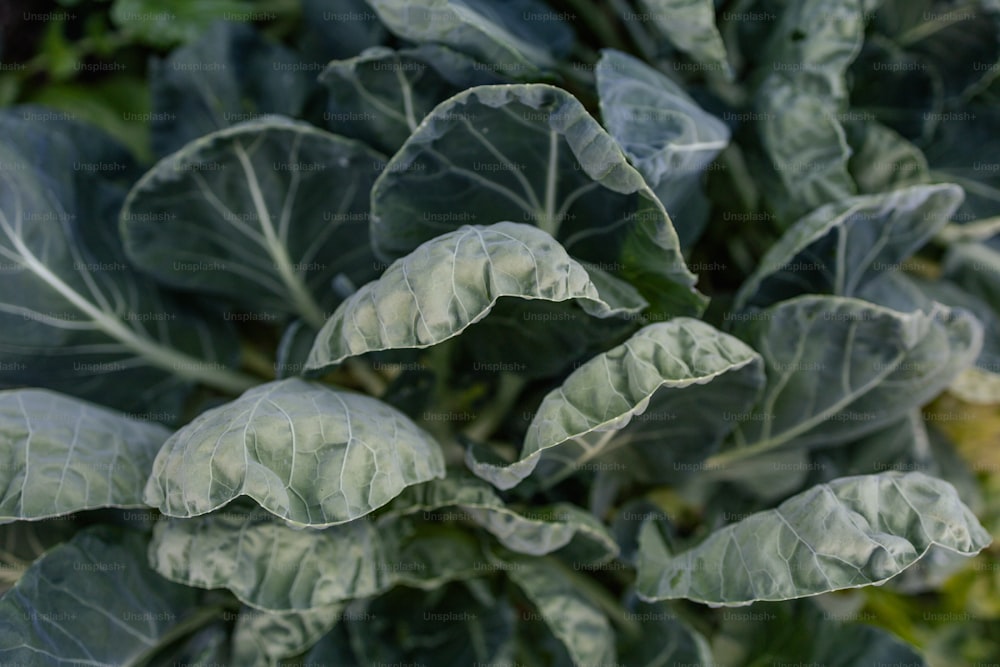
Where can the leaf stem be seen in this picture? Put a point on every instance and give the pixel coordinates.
(644, 42)
(256, 361)
(597, 594)
(940, 22)
(366, 376)
(404, 87)
(549, 221)
(597, 21)
(490, 419)
(169, 359)
(189, 625)
(303, 300)
(598, 449)
(13, 568)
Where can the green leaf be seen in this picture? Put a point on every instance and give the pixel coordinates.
(503, 35)
(536, 339)
(814, 42)
(903, 445)
(62, 53)
(453, 625)
(307, 453)
(805, 145)
(206, 646)
(964, 151)
(63, 455)
(452, 282)
(229, 75)
(661, 392)
(148, 22)
(540, 531)
(274, 204)
(572, 616)
(263, 638)
(840, 368)
(852, 532)
(25, 541)
(531, 153)
(957, 44)
(663, 640)
(665, 134)
(74, 316)
(841, 246)
(293, 349)
(333, 35)
(274, 567)
(690, 26)
(111, 103)
(333, 648)
(901, 291)
(381, 95)
(93, 600)
(802, 632)
(976, 268)
(882, 160)
(804, 88)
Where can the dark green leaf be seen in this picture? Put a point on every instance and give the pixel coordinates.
(229, 75)
(532, 153)
(274, 204)
(381, 95)
(95, 601)
(517, 37)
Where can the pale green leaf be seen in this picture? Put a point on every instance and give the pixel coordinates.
(274, 567)
(802, 92)
(881, 159)
(263, 638)
(537, 532)
(452, 282)
(852, 532)
(806, 148)
(690, 26)
(573, 617)
(62, 455)
(663, 391)
(307, 453)
(666, 135)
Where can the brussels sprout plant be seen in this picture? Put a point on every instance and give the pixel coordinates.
(457, 332)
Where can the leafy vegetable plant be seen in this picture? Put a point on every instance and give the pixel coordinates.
(516, 334)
